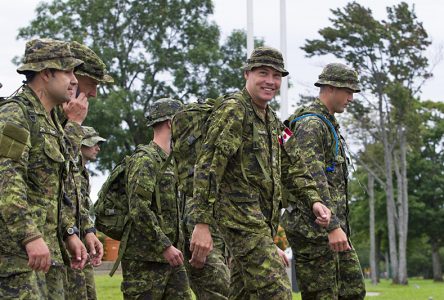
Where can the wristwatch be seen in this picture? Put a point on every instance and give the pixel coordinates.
(89, 230)
(71, 231)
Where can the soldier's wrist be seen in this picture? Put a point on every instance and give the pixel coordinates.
(31, 238)
(89, 230)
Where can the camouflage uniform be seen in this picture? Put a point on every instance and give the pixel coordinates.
(321, 272)
(154, 210)
(32, 169)
(81, 284)
(213, 280)
(237, 184)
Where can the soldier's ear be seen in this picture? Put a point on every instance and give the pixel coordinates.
(46, 75)
(246, 74)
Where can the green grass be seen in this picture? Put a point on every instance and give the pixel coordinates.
(108, 288)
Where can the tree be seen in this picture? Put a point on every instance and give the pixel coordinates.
(389, 56)
(154, 49)
(427, 182)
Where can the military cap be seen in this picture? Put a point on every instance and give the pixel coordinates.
(162, 109)
(339, 75)
(41, 54)
(93, 66)
(91, 137)
(266, 56)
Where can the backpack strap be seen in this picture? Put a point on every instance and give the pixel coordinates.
(29, 112)
(331, 167)
(157, 186)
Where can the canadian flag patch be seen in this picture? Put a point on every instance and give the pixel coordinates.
(285, 135)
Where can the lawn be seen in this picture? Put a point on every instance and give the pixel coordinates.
(418, 289)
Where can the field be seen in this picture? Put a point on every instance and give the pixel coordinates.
(418, 289)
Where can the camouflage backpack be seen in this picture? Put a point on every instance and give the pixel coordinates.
(112, 207)
(188, 130)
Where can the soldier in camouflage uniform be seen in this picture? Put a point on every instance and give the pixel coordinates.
(91, 73)
(81, 283)
(152, 264)
(33, 167)
(327, 266)
(237, 183)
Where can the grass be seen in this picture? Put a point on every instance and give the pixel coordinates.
(108, 288)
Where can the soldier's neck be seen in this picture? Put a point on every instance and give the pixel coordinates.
(327, 104)
(43, 96)
(163, 140)
(260, 105)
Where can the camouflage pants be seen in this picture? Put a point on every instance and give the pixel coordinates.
(213, 280)
(81, 284)
(144, 280)
(55, 282)
(324, 274)
(24, 285)
(258, 271)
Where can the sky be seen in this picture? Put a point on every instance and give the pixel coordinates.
(304, 19)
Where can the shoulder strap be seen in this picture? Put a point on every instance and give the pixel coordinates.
(157, 186)
(330, 168)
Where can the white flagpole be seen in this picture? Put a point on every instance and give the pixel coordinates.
(250, 39)
(284, 84)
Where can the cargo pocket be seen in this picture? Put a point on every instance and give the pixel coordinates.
(13, 141)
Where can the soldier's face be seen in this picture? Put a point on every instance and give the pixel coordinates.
(340, 98)
(263, 83)
(87, 85)
(90, 153)
(60, 85)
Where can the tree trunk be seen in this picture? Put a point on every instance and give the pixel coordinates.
(404, 208)
(378, 254)
(391, 209)
(436, 263)
(371, 200)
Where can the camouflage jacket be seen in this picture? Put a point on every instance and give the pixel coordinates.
(237, 178)
(33, 168)
(152, 231)
(86, 216)
(316, 143)
(74, 204)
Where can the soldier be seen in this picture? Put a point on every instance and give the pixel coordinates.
(237, 183)
(91, 73)
(326, 263)
(33, 166)
(152, 264)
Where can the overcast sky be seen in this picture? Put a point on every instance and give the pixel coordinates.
(304, 19)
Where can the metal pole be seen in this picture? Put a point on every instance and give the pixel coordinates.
(284, 84)
(250, 39)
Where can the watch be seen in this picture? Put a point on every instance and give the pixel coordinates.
(71, 231)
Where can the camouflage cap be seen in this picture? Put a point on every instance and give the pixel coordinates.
(91, 137)
(93, 66)
(41, 54)
(266, 56)
(339, 75)
(161, 110)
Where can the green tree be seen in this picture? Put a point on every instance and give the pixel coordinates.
(390, 58)
(154, 49)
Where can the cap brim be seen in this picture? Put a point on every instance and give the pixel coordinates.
(104, 79)
(248, 67)
(62, 64)
(352, 86)
(89, 142)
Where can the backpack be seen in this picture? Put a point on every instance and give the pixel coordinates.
(188, 130)
(112, 207)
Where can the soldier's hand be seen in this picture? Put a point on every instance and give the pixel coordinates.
(283, 257)
(77, 250)
(95, 249)
(322, 213)
(173, 256)
(201, 245)
(337, 239)
(39, 257)
(76, 109)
